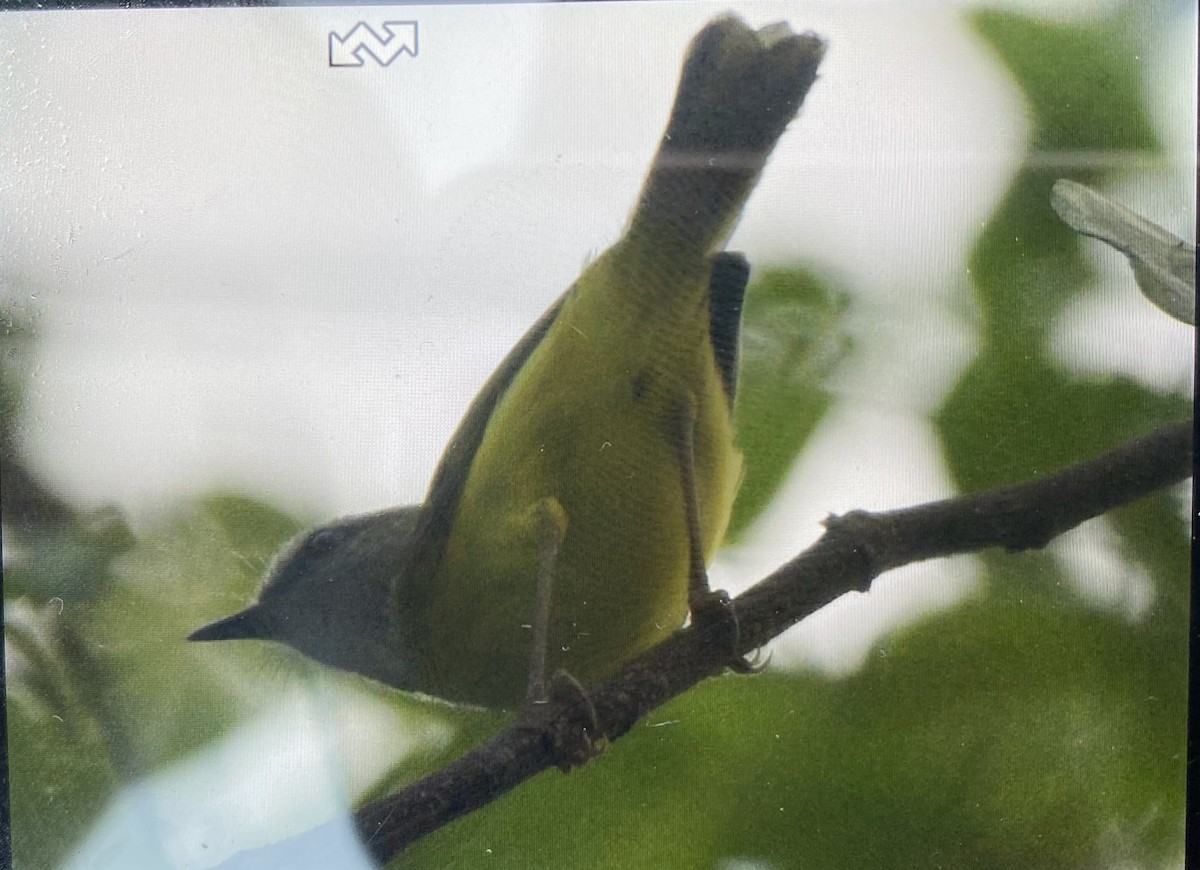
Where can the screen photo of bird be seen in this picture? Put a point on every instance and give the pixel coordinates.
(606, 435)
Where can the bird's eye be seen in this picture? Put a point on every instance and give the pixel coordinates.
(322, 542)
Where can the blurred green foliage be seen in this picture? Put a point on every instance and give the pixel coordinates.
(1016, 413)
(102, 689)
(1028, 727)
(793, 337)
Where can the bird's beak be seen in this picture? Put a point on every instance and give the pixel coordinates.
(243, 625)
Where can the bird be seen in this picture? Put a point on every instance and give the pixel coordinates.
(570, 519)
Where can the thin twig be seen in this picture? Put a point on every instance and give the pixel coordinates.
(855, 548)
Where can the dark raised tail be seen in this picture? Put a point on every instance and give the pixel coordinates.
(739, 90)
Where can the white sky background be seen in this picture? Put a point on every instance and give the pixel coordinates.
(253, 272)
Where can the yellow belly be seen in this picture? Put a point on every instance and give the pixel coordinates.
(592, 421)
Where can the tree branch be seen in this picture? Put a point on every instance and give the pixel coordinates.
(856, 548)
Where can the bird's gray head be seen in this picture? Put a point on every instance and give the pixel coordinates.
(328, 594)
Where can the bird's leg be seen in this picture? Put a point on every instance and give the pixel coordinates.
(705, 606)
(550, 523)
(576, 740)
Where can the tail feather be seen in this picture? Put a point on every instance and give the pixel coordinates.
(738, 91)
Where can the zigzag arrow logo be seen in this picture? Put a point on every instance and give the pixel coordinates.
(349, 50)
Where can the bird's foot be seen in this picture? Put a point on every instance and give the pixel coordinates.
(714, 613)
(567, 721)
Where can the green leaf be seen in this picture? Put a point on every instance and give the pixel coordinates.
(1020, 418)
(1082, 81)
